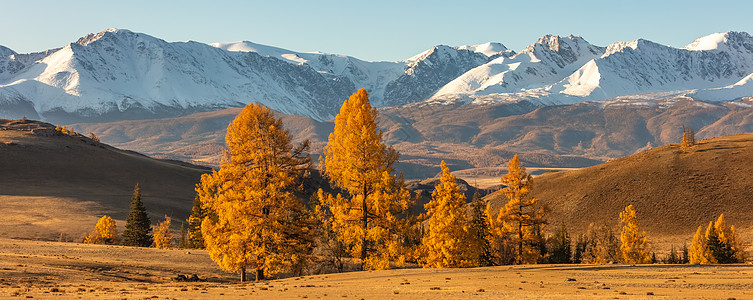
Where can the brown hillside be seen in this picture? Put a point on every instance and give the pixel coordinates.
(673, 192)
(52, 183)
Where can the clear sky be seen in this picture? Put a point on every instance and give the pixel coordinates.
(371, 30)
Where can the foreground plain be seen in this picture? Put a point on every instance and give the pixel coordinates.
(69, 270)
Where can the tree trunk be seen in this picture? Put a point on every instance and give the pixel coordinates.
(243, 274)
(259, 274)
(364, 224)
(520, 235)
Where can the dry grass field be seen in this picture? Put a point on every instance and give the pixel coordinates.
(42, 270)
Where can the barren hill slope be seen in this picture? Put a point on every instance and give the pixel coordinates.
(673, 192)
(52, 183)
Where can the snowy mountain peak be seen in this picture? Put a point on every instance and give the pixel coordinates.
(722, 42)
(93, 37)
(6, 52)
(634, 45)
(488, 49)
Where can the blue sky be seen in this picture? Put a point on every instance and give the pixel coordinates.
(371, 30)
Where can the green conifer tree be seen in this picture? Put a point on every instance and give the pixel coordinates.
(195, 239)
(561, 249)
(183, 237)
(138, 229)
(480, 231)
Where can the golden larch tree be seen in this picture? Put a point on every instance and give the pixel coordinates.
(634, 245)
(726, 247)
(254, 221)
(357, 161)
(522, 217)
(446, 242)
(105, 232)
(699, 249)
(163, 235)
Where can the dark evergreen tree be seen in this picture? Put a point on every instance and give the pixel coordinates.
(560, 249)
(480, 231)
(195, 239)
(580, 247)
(716, 247)
(685, 256)
(673, 258)
(183, 237)
(138, 229)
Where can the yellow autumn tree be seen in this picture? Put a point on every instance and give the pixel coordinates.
(163, 235)
(719, 244)
(105, 232)
(253, 220)
(698, 252)
(724, 243)
(357, 161)
(521, 220)
(634, 245)
(446, 241)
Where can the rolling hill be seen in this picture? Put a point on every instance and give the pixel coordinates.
(673, 192)
(55, 183)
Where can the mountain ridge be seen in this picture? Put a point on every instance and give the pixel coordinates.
(118, 74)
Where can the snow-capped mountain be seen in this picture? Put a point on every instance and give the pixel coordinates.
(429, 71)
(643, 66)
(389, 83)
(373, 76)
(550, 59)
(119, 74)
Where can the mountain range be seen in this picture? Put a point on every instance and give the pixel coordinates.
(118, 74)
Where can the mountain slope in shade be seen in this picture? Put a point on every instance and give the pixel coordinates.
(55, 183)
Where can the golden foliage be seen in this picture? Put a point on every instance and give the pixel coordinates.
(163, 235)
(255, 221)
(600, 245)
(634, 245)
(519, 223)
(105, 232)
(446, 242)
(357, 161)
(688, 139)
(719, 244)
(699, 250)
